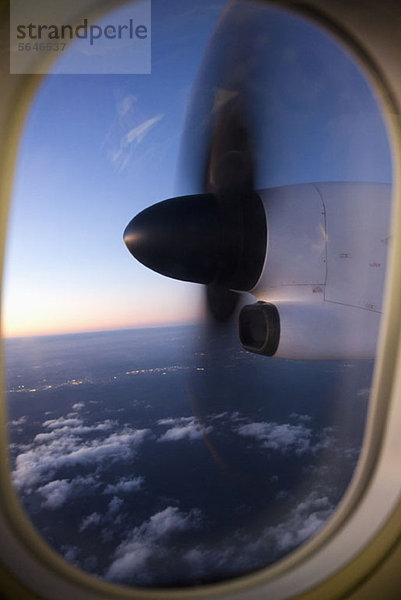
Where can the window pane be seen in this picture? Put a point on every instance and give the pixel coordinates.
(148, 446)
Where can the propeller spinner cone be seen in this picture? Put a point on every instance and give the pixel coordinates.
(203, 239)
(180, 238)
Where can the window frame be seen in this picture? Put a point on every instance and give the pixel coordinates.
(366, 526)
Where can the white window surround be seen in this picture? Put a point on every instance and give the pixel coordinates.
(367, 522)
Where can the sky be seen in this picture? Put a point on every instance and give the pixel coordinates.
(97, 149)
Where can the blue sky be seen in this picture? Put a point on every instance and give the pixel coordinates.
(97, 149)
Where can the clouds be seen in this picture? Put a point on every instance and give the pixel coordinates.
(137, 134)
(155, 541)
(106, 475)
(115, 505)
(62, 422)
(55, 493)
(243, 552)
(126, 105)
(303, 522)
(106, 523)
(125, 485)
(281, 437)
(128, 130)
(72, 444)
(152, 539)
(21, 421)
(301, 418)
(92, 519)
(183, 428)
(287, 438)
(121, 156)
(58, 491)
(62, 427)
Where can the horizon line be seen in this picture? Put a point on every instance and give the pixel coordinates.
(88, 331)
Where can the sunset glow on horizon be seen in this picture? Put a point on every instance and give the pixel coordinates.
(36, 314)
(46, 330)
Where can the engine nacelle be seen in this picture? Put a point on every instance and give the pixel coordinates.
(324, 272)
(299, 331)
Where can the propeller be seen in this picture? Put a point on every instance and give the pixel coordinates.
(218, 236)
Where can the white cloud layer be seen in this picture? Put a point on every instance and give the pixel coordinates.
(125, 486)
(153, 540)
(183, 428)
(285, 437)
(58, 491)
(70, 443)
(21, 421)
(92, 519)
(281, 437)
(149, 540)
(241, 553)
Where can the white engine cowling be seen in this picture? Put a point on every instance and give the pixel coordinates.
(301, 331)
(324, 271)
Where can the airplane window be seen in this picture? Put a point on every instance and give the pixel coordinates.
(198, 413)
